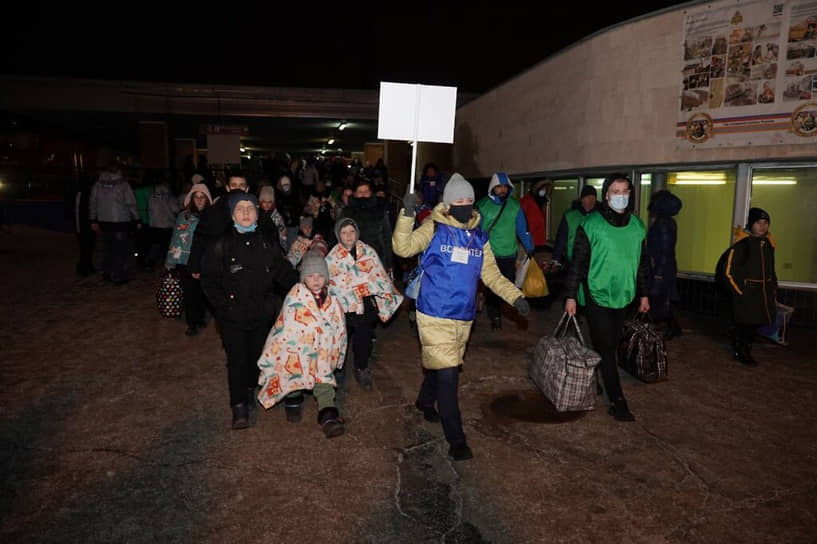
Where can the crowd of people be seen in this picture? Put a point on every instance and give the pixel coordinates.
(300, 269)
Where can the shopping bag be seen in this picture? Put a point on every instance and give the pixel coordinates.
(535, 285)
(169, 294)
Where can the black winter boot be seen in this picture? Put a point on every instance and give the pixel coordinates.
(460, 452)
(293, 407)
(330, 421)
(745, 355)
(619, 410)
(241, 416)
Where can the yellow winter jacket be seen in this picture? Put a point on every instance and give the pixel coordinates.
(443, 340)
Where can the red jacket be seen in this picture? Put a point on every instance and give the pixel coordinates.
(536, 220)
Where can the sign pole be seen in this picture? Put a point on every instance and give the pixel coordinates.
(413, 165)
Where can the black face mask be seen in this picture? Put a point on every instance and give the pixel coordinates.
(364, 202)
(461, 213)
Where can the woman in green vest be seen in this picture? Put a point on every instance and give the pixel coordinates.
(609, 263)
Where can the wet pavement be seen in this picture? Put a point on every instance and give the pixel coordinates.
(114, 427)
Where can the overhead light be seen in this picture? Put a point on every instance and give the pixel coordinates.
(559, 188)
(763, 180)
(646, 179)
(243, 150)
(342, 125)
(330, 141)
(340, 150)
(323, 152)
(700, 178)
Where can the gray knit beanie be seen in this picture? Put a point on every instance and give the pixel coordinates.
(314, 263)
(456, 188)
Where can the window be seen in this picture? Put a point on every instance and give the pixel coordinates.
(597, 183)
(565, 191)
(789, 194)
(644, 197)
(705, 220)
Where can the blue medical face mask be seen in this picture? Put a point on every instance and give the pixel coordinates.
(244, 230)
(619, 202)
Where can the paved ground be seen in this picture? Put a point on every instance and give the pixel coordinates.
(114, 427)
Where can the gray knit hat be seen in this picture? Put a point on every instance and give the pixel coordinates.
(456, 188)
(314, 263)
(342, 222)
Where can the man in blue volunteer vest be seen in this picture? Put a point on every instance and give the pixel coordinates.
(503, 220)
(456, 255)
(609, 262)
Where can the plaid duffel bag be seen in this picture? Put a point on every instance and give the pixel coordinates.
(563, 368)
(641, 351)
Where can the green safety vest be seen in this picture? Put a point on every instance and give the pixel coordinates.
(573, 218)
(615, 253)
(503, 235)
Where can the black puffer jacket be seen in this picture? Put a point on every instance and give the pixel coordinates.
(373, 224)
(661, 238)
(752, 279)
(214, 223)
(239, 276)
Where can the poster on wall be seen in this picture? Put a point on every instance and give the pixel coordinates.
(749, 74)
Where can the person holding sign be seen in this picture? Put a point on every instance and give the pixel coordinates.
(456, 254)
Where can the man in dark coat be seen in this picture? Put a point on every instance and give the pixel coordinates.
(752, 280)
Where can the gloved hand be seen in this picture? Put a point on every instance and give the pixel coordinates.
(409, 203)
(521, 306)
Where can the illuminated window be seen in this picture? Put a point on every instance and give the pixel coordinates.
(644, 196)
(565, 191)
(789, 194)
(705, 220)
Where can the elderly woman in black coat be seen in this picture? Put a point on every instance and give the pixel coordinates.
(661, 238)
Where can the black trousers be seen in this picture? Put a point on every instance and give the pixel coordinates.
(360, 331)
(86, 240)
(115, 252)
(243, 347)
(441, 386)
(606, 326)
(493, 303)
(193, 297)
(160, 238)
(745, 334)
(143, 245)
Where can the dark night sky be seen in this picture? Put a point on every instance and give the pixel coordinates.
(474, 48)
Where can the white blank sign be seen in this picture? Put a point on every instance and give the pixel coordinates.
(422, 113)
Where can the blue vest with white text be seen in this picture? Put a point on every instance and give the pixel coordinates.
(448, 287)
